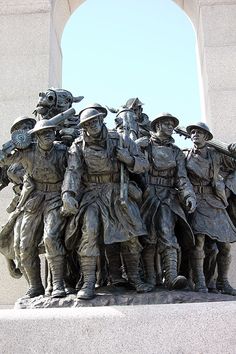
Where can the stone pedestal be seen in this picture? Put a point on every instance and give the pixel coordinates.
(180, 328)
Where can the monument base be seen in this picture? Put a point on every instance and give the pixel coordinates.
(176, 328)
(117, 296)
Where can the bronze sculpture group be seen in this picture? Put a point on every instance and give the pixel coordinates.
(125, 207)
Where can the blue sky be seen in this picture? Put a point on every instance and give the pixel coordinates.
(117, 49)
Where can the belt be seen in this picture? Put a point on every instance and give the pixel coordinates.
(109, 178)
(165, 182)
(48, 187)
(203, 189)
(161, 173)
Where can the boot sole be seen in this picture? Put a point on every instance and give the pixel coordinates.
(61, 294)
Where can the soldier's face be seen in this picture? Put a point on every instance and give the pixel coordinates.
(46, 138)
(166, 127)
(93, 127)
(198, 136)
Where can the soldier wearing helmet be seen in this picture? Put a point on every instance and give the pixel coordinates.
(44, 162)
(166, 190)
(144, 126)
(204, 165)
(94, 171)
(15, 174)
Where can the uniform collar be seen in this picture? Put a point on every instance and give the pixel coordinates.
(156, 140)
(200, 150)
(45, 153)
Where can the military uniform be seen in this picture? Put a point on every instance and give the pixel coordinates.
(9, 234)
(210, 218)
(166, 185)
(210, 221)
(166, 189)
(94, 171)
(45, 170)
(98, 170)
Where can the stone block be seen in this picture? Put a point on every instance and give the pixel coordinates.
(26, 34)
(221, 114)
(24, 6)
(202, 3)
(181, 328)
(220, 63)
(218, 25)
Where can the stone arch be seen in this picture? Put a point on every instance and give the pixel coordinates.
(216, 50)
(62, 10)
(153, 50)
(87, 10)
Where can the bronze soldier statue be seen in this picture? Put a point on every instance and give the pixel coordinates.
(44, 163)
(92, 181)
(50, 103)
(166, 189)
(9, 234)
(144, 124)
(210, 221)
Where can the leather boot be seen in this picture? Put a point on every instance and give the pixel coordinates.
(132, 268)
(56, 265)
(48, 279)
(148, 258)
(35, 283)
(102, 272)
(222, 283)
(88, 268)
(209, 266)
(196, 260)
(114, 265)
(158, 267)
(170, 266)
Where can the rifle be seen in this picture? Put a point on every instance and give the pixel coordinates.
(123, 175)
(218, 145)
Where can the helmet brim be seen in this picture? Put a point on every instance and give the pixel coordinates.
(193, 126)
(100, 115)
(161, 118)
(33, 131)
(32, 120)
